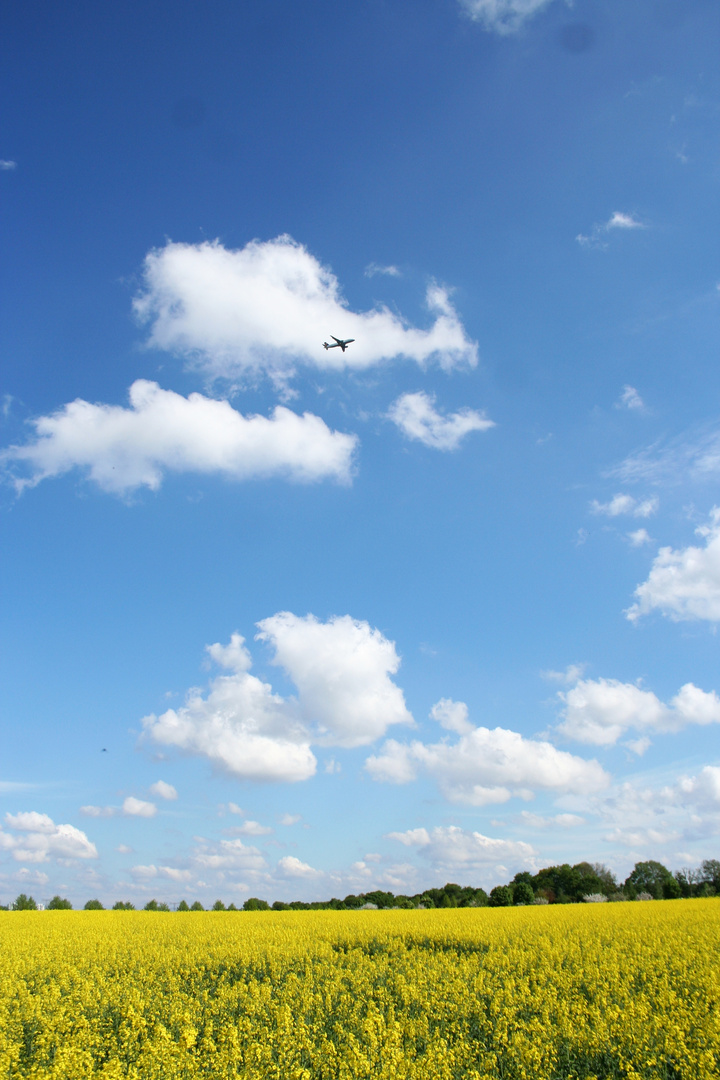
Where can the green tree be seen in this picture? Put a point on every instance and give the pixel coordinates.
(218, 906)
(231, 907)
(24, 903)
(93, 905)
(253, 904)
(59, 904)
(123, 905)
(197, 906)
(654, 878)
(183, 906)
(710, 873)
(500, 896)
(152, 905)
(522, 893)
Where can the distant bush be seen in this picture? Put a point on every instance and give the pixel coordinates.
(123, 905)
(595, 898)
(644, 896)
(93, 905)
(59, 904)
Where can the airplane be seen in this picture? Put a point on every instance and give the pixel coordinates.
(339, 343)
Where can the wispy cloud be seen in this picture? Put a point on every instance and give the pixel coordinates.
(502, 16)
(374, 268)
(694, 455)
(7, 166)
(597, 237)
(630, 399)
(625, 504)
(417, 418)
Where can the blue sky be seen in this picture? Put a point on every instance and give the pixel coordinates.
(289, 622)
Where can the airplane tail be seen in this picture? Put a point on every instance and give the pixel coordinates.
(325, 345)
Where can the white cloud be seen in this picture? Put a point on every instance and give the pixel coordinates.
(233, 807)
(502, 16)
(144, 873)
(617, 220)
(124, 449)
(374, 268)
(417, 418)
(684, 584)
(242, 727)
(692, 456)
(290, 819)
(40, 839)
(630, 399)
(452, 846)
(571, 674)
(228, 855)
(702, 790)
(601, 711)
(452, 715)
(251, 828)
(163, 790)
(268, 307)
(556, 821)
(625, 504)
(342, 670)
(174, 874)
(290, 866)
(346, 697)
(488, 766)
(133, 807)
(7, 166)
(98, 811)
(639, 537)
(124, 849)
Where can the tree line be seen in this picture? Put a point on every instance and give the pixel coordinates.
(564, 884)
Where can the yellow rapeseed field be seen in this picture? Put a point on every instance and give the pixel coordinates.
(605, 990)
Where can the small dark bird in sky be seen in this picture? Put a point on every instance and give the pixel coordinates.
(104, 750)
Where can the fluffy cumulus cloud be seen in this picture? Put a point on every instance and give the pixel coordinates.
(416, 416)
(122, 449)
(346, 697)
(36, 838)
(241, 726)
(290, 866)
(502, 16)
(487, 766)
(163, 790)
(452, 846)
(602, 711)
(684, 584)
(268, 306)
(342, 669)
(133, 807)
(625, 504)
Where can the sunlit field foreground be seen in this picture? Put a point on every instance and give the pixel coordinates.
(612, 990)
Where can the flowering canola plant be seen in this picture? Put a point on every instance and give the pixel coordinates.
(555, 993)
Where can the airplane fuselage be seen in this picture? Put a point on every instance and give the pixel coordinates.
(339, 343)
